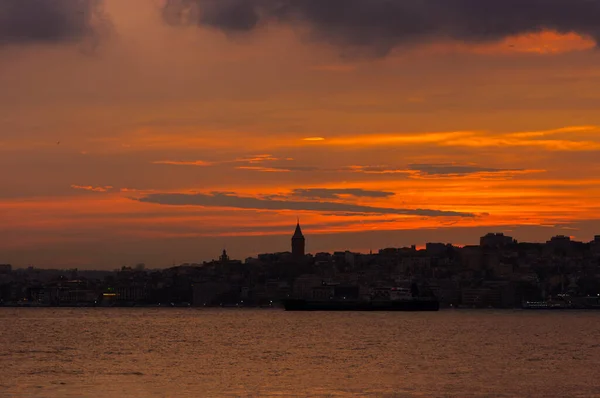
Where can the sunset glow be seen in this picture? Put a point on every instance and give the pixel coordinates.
(158, 143)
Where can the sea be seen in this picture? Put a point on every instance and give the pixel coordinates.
(189, 352)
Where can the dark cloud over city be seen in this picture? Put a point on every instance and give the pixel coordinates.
(376, 25)
(50, 21)
(219, 199)
(385, 24)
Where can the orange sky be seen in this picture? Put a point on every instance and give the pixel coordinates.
(442, 141)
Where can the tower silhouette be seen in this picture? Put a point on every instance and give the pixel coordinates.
(298, 242)
(224, 258)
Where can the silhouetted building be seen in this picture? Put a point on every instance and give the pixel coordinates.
(298, 242)
(207, 293)
(595, 245)
(495, 240)
(224, 257)
(472, 257)
(436, 249)
(559, 243)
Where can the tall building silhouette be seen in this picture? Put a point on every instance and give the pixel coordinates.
(224, 258)
(298, 242)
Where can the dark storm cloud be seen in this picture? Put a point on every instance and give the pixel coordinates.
(50, 21)
(384, 24)
(324, 193)
(218, 199)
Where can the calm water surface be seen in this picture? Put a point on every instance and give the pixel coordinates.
(205, 353)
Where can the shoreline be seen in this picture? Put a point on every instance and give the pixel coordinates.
(277, 307)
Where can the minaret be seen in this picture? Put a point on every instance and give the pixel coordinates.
(298, 242)
(224, 257)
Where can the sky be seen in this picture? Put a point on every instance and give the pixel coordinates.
(163, 131)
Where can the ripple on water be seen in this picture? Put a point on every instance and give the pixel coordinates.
(274, 353)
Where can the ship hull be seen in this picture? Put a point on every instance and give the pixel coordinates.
(561, 308)
(408, 305)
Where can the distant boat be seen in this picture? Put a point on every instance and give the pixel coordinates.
(381, 299)
(564, 302)
(417, 304)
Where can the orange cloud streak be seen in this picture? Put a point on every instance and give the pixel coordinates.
(183, 163)
(91, 188)
(564, 139)
(542, 43)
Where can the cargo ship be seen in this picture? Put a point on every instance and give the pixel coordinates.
(378, 299)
